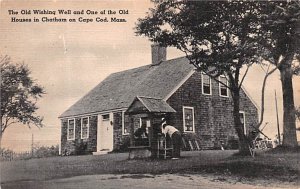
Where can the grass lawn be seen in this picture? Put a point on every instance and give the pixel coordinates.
(283, 166)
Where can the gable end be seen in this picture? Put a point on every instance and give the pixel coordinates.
(179, 84)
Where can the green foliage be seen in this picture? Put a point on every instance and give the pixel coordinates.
(19, 94)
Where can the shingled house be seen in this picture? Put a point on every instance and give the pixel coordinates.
(197, 104)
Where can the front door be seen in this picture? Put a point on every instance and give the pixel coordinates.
(105, 134)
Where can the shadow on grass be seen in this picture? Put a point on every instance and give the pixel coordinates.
(282, 149)
(281, 166)
(249, 170)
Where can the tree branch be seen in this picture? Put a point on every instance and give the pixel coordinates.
(263, 94)
(214, 77)
(248, 66)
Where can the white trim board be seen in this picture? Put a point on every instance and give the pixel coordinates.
(93, 113)
(202, 86)
(183, 117)
(88, 127)
(221, 85)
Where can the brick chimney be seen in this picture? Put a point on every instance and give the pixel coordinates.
(159, 53)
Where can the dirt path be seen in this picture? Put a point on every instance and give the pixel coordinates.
(142, 181)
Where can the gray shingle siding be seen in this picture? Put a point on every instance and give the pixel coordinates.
(213, 114)
(78, 145)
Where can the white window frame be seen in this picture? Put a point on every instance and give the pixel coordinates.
(88, 127)
(68, 137)
(244, 117)
(123, 124)
(221, 85)
(140, 125)
(148, 123)
(183, 114)
(202, 86)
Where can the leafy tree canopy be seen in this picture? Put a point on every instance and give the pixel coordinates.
(281, 37)
(212, 33)
(218, 37)
(19, 94)
(281, 30)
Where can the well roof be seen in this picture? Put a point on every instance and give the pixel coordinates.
(153, 105)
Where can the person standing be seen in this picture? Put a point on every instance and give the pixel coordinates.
(175, 137)
(141, 136)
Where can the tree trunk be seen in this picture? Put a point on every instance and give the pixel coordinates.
(243, 141)
(289, 121)
(1, 133)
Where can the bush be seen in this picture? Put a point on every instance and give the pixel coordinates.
(45, 151)
(233, 144)
(81, 147)
(6, 154)
(37, 152)
(124, 145)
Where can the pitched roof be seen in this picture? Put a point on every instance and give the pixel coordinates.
(149, 104)
(119, 89)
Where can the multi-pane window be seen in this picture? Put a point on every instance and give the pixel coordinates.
(71, 129)
(105, 117)
(222, 88)
(146, 122)
(188, 119)
(85, 128)
(242, 118)
(125, 127)
(206, 84)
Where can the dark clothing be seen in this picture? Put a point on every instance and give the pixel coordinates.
(140, 133)
(176, 140)
(141, 137)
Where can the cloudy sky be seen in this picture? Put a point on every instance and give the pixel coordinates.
(69, 59)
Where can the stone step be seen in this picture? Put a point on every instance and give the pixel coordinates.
(102, 152)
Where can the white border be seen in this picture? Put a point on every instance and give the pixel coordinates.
(183, 113)
(73, 138)
(210, 88)
(88, 127)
